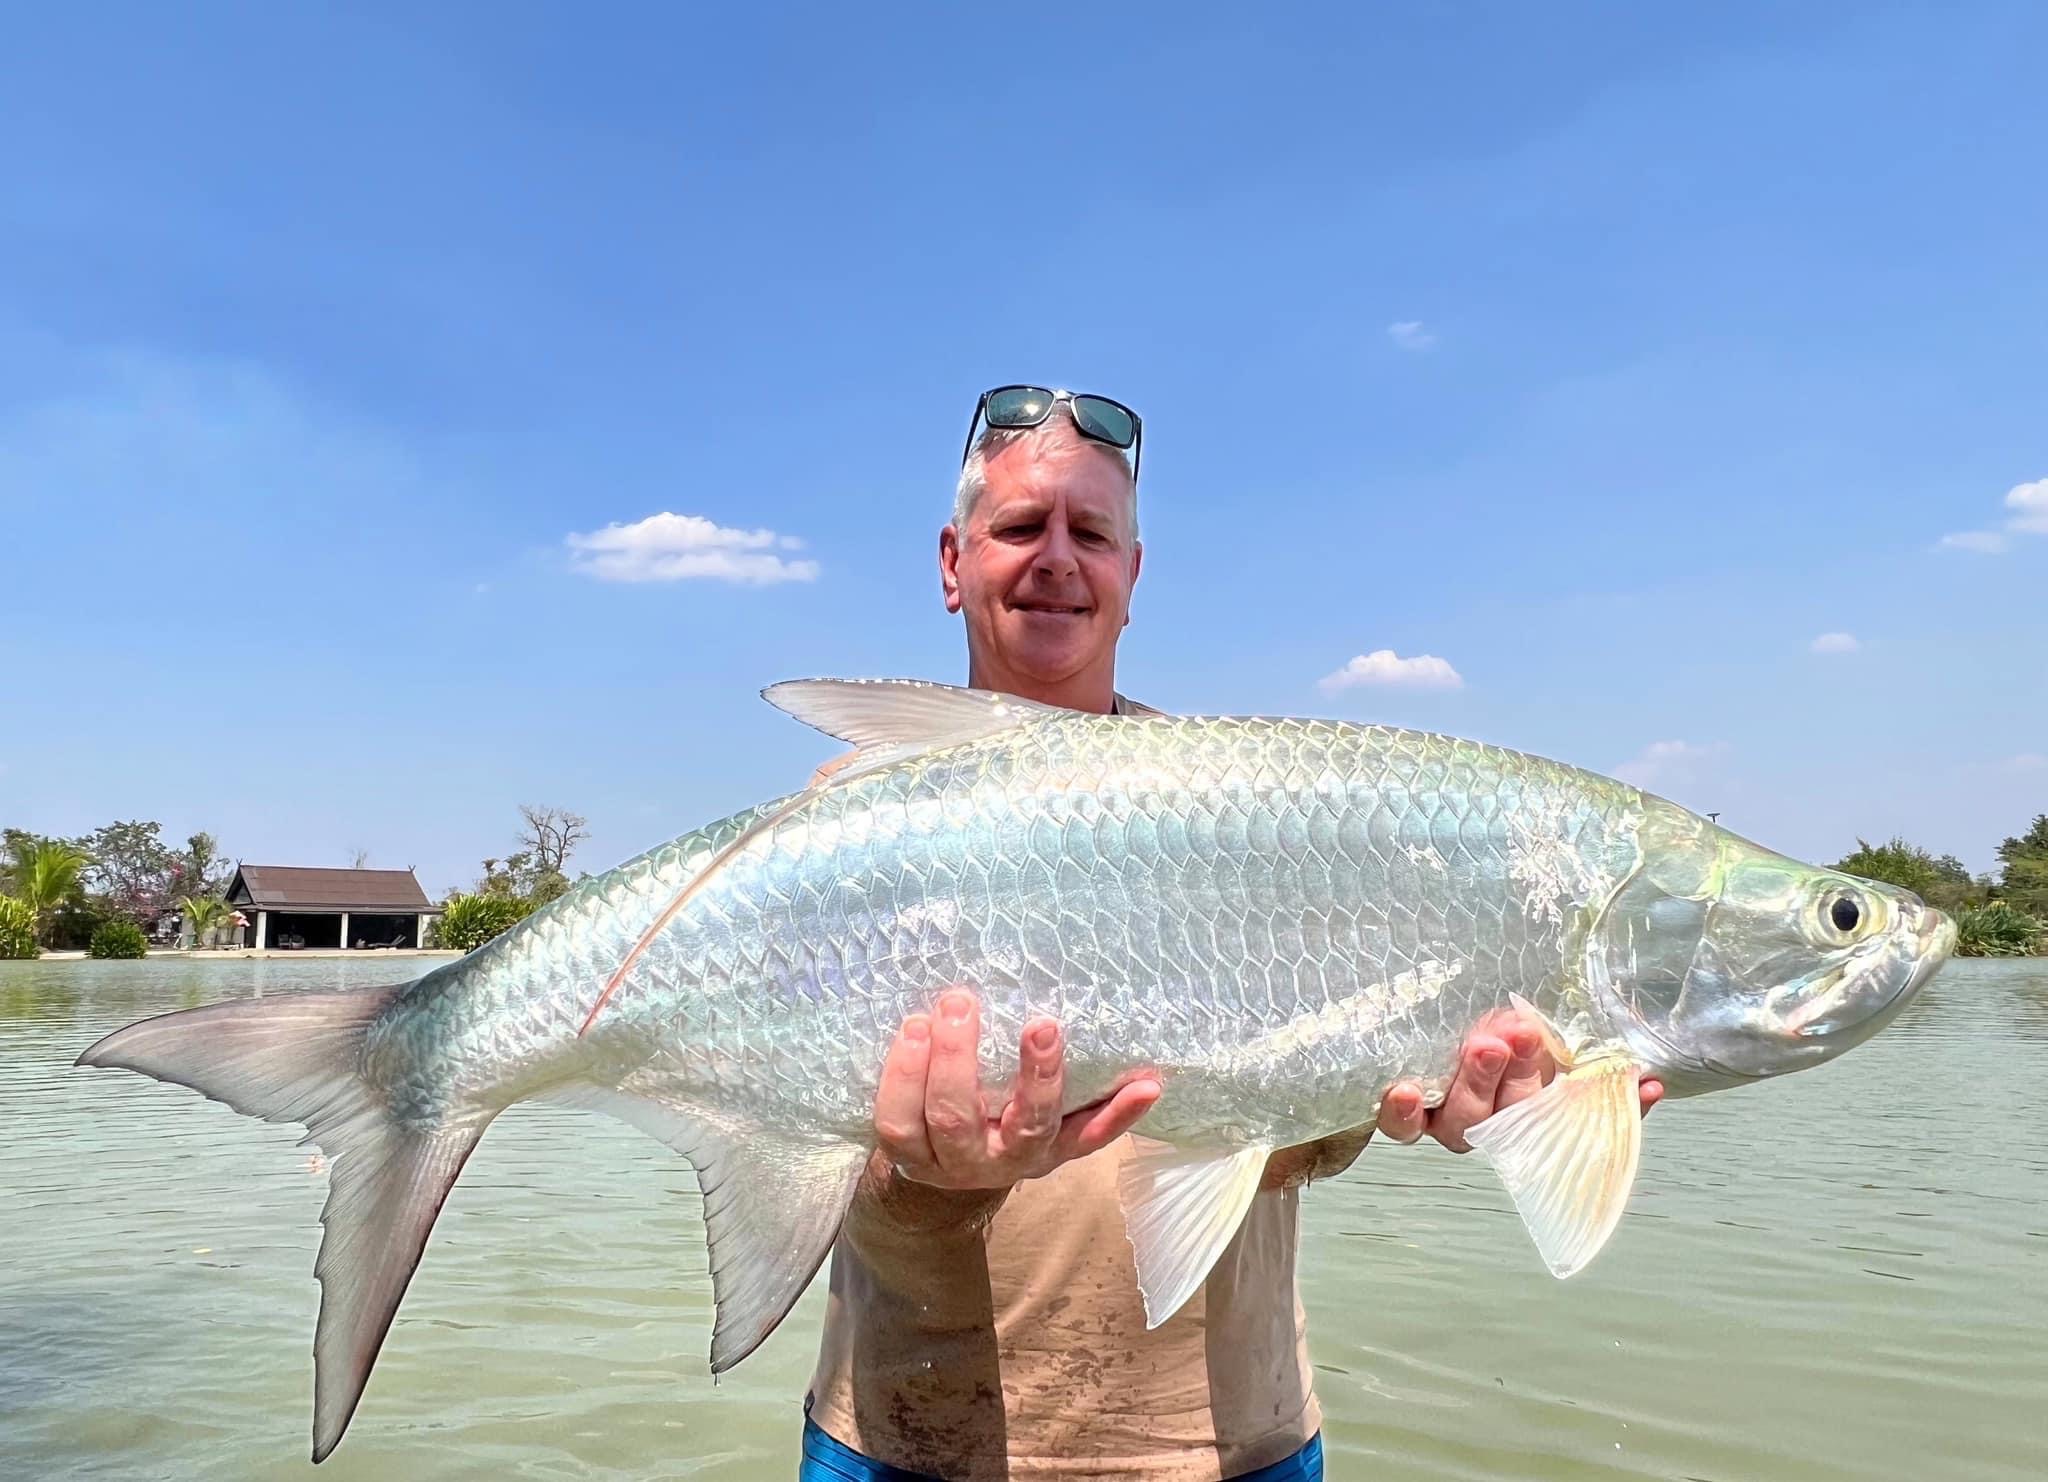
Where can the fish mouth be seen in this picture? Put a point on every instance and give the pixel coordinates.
(1936, 943)
(1932, 940)
(1843, 1019)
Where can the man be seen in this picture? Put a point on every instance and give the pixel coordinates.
(984, 1318)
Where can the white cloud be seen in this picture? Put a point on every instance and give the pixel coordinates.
(671, 547)
(2027, 761)
(1983, 542)
(2028, 515)
(1411, 334)
(1664, 764)
(1384, 666)
(1835, 643)
(2029, 503)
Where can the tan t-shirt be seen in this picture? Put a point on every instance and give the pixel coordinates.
(1020, 1351)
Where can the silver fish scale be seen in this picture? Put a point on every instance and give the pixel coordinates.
(1284, 916)
(493, 1026)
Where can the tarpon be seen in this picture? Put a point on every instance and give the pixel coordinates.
(1277, 918)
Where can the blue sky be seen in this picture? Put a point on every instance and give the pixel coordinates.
(1608, 358)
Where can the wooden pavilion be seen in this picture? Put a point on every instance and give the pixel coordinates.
(295, 907)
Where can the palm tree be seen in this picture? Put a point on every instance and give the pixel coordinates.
(202, 864)
(205, 912)
(46, 874)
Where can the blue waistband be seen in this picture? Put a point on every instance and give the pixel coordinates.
(825, 1460)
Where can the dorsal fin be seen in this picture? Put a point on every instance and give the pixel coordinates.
(912, 714)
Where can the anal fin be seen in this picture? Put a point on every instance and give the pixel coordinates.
(773, 1204)
(1181, 1209)
(1568, 1156)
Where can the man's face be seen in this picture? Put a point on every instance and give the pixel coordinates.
(1044, 568)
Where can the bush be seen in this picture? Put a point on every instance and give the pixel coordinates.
(468, 921)
(1998, 930)
(117, 939)
(17, 929)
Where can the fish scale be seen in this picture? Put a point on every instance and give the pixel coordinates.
(1175, 954)
(1275, 919)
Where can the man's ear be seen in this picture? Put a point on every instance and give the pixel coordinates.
(1137, 562)
(949, 567)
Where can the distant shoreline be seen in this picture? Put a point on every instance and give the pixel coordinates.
(245, 954)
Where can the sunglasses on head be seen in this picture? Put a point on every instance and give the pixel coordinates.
(1097, 417)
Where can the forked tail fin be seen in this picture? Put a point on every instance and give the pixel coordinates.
(296, 1057)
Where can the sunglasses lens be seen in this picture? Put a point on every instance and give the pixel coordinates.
(1104, 420)
(1019, 406)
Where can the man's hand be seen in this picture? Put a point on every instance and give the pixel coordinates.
(1504, 1059)
(933, 1125)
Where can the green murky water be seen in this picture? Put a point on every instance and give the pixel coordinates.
(1841, 1276)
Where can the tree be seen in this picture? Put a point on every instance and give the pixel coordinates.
(205, 912)
(138, 877)
(135, 874)
(538, 872)
(45, 874)
(1895, 863)
(1944, 883)
(505, 877)
(1954, 870)
(550, 837)
(1957, 889)
(358, 857)
(201, 868)
(17, 843)
(2025, 879)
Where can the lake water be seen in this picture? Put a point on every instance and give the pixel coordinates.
(1840, 1276)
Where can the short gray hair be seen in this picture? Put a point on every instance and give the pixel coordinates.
(995, 440)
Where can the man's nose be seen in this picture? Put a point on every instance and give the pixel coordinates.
(1056, 556)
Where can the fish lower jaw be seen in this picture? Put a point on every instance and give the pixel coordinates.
(1694, 1080)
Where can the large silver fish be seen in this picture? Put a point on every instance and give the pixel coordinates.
(1279, 917)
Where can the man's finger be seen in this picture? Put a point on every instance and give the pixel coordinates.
(954, 1119)
(899, 1102)
(1032, 1119)
(1530, 1069)
(1094, 1128)
(1471, 1097)
(1401, 1113)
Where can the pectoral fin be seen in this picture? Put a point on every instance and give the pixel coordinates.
(1180, 1210)
(1568, 1157)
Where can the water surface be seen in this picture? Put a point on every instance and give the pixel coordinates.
(1840, 1276)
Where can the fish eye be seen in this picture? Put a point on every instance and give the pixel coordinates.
(1845, 914)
